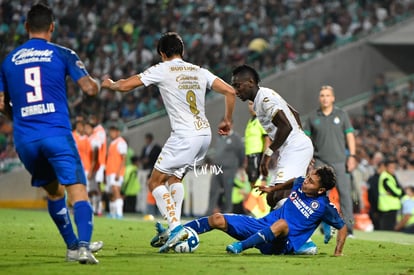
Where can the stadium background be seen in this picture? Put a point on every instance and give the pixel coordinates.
(351, 69)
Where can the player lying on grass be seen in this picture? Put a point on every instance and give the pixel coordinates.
(287, 229)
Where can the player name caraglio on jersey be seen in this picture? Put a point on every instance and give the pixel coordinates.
(38, 109)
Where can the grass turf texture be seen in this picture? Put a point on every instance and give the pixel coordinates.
(30, 244)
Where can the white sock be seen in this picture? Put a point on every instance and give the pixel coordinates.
(166, 205)
(100, 206)
(112, 208)
(94, 202)
(177, 193)
(119, 207)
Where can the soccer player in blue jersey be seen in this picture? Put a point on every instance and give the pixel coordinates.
(33, 95)
(286, 229)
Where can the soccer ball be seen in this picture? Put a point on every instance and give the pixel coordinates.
(189, 245)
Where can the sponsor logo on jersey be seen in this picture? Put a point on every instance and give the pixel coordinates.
(24, 56)
(200, 123)
(183, 68)
(303, 208)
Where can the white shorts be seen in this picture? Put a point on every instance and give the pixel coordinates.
(181, 154)
(111, 181)
(294, 159)
(93, 186)
(99, 175)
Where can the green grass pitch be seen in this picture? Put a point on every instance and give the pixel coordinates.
(30, 244)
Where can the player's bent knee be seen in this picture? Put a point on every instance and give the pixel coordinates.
(54, 190)
(280, 228)
(156, 179)
(76, 192)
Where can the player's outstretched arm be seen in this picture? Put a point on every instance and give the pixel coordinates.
(89, 85)
(287, 185)
(340, 240)
(123, 85)
(230, 99)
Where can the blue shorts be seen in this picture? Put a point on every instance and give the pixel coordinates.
(242, 227)
(52, 158)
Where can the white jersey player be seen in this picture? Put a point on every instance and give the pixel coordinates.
(281, 122)
(297, 150)
(182, 86)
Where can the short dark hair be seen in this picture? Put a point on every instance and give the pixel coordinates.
(247, 70)
(39, 18)
(171, 44)
(390, 160)
(114, 127)
(327, 177)
(134, 159)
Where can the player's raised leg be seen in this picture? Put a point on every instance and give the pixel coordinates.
(166, 205)
(176, 190)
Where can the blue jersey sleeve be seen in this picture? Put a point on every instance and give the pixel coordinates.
(332, 217)
(75, 67)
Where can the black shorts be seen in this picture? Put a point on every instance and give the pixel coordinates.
(253, 166)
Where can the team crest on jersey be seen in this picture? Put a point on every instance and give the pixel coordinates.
(293, 195)
(314, 205)
(80, 64)
(336, 120)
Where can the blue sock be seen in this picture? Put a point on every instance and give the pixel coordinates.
(263, 236)
(326, 232)
(83, 218)
(60, 215)
(199, 225)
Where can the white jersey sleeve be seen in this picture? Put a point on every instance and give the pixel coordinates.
(95, 142)
(266, 105)
(152, 75)
(122, 147)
